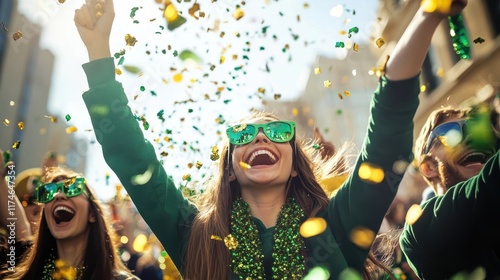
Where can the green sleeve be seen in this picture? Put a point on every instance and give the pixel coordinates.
(456, 230)
(129, 154)
(389, 138)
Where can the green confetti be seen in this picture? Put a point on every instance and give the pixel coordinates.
(175, 53)
(339, 45)
(6, 157)
(68, 117)
(132, 11)
(132, 69)
(120, 62)
(142, 88)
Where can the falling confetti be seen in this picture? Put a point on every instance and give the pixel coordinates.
(413, 214)
(371, 173)
(479, 40)
(442, 6)
(20, 125)
(6, 122)
(380, 42)
(174, 20)
(67, 117)
(339, 45)
(327, 83)
(355, 47)
(362, 237)
(277, 96)
(130, 40)
(238, 14)
(16, 145)
(317, 70)
(18, 35)
(312, 227)
(245, 165)
(71, 129)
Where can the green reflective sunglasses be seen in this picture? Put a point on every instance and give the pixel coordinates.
(71, 187)
(277, 131)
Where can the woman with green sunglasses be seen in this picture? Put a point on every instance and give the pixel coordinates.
(247, 223)
(72, 229)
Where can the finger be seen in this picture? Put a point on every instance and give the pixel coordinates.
(79, 20)
(88, 17)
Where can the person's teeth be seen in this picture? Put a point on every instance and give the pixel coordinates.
(261, 152)
(58, 208)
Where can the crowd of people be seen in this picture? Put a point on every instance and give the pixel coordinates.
(249, 222)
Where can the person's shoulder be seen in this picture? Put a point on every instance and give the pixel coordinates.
(124, 275)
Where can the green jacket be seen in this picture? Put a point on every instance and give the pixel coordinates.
(357, 203)
(460, 230)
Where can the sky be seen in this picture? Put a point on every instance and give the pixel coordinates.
(275, 50)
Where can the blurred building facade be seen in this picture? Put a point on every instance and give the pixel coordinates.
(339, 110)
(25, 80)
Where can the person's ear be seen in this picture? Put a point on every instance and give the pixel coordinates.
(429, 169)
(232, 177)
(294, 172)
(92, 217)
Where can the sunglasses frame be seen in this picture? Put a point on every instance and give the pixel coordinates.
(258, 126)
(62, 186)
(433, 135)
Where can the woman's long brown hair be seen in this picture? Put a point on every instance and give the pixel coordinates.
(101, 256)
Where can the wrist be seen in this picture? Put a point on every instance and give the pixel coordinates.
(98, 52)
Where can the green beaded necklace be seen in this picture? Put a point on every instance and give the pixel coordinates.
(247, 259)
(50, 269)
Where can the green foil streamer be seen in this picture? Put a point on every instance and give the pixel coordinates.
(459, 36)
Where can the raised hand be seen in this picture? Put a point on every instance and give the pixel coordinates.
(94, 21)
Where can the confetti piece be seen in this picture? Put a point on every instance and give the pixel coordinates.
(317, 70)
(186, 177)
(130, 40)
(413, 214)
(133, 11)
(198, 164)
(440, 72)
(318, 273)
(340, 96)
(478, 40)
(6, 157)
(177, 77)
(380, 42)
(346, 93)
(20, 125)
(327, 83)
(71, 129)
(6, 122)
(12, 103)
(362, 237)
(238, 14)
(215, 153)
(355, 47)
(68, 117)
(295, 111)
(118, 71)
(174, 20)
(430, 6)
(132, 69)
(312, 227)
(18, 35)
(339, 45)
(245, 165)
(371, 173)
(230, 242)
(16, 145)
(277, 96)
(215, 237)
(142, 179)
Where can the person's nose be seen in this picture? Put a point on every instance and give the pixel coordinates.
(60, 195)
(261, 137)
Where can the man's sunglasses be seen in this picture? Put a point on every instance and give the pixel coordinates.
(277, 131)
(70, 187)
(450, 134)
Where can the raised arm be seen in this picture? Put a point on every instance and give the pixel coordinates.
(131, 157)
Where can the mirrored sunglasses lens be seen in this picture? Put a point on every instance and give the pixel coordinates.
(241, 134)
(47, 193)
(73, 189)
(450, 134)
(279, 131)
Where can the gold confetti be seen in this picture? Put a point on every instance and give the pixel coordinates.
(52, 119)
(12, 103)
(18, 35)
(177, 77)
(245, 165)
(413, 214)
(199, 164)
(362, 237)
(61, 1)
(222, 59)
(317, 70)
(215, 237)
(340, 96)
(20, 125)
(327, 83)
(238, 14)
(371, 173)
(295, 111)
(312, 227)
(190, 165)
(238, 128)
(118, 71)
(440, 72)
(230, 242)
(71, 129)
(431, 6)
(6, 122)
(380, 42)
(277, 96)
(16, 145)
(355, 47)
(423, 88)
(346, 93)
(130, 40)
(261, 90)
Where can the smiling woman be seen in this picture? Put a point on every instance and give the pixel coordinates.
(73, 231)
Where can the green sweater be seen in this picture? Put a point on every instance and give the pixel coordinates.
(460, 230)
(357, 204)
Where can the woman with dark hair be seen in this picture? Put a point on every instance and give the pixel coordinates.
(247, 223)
(73, 231)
